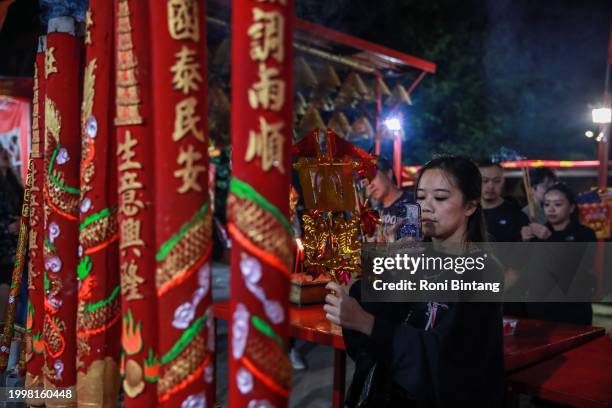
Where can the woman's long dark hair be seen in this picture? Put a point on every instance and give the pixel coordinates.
(569, 195)
(466, 175)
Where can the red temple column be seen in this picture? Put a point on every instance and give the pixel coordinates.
(258, 204)
(183, 211)
(135, 170)
(35, 358)
(63, 62)
(99, 300)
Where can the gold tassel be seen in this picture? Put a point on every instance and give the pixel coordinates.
(300, 104)
(311, 120)
(223, 55)
(328, 79)
(348, 92)
(340, 124)
(398, 95)
(217, 99)
(304, 76)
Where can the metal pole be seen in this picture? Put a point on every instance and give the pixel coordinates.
(604, 146)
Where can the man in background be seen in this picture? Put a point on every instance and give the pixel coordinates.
(503, 219)
(391, 202)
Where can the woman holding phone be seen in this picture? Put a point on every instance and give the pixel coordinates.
(435, 354)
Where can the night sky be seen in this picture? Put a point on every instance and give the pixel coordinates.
(526, 73)
(542, 63)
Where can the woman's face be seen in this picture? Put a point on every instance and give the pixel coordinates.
(557, 207)
(444, 212)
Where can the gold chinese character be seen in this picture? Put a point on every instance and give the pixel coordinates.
(268, 145)
(88, 24)
(186, 71)
(50, 61)
(190, 171)
(183, 20)
(130, 280)
(33, 236)
(269, 92)
(186, 120)
(126, 152)
(33, 202)
(128, 181)
(130, 205)
(267, 35)
(130, 233)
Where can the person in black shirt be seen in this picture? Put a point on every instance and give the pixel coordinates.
(391, 202)
(563, 264)
(438, 354)
(503, 219)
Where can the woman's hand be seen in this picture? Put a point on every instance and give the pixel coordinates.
(345, 311)
(527, 233)
(540, 231)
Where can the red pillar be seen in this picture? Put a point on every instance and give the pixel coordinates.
(99, 306)
(63, 62)
(36, 311)
(397, 159)
(135, 170)
(258, 204)
(183, 215)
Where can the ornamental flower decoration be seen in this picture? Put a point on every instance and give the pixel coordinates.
(151, 367)
(131, 337)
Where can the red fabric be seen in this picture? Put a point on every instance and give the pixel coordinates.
(35, 360)
(64, 90)
(99, 333)
(338, 146)
(272, 183)
(181, 179)
(138, 306)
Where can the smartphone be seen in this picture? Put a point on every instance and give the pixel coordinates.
(410, 225)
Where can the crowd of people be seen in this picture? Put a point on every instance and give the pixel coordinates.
(456, 358)
(428, 353)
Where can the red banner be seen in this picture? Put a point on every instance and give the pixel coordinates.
(135, 166)
(63, 62)
(36, 311)
(258, 205)
(183, 210)
(99, 307)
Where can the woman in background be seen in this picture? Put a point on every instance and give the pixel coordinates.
(561, 269)
(11, 196)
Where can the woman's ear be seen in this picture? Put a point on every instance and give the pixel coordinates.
(573, 208)
(470, 207)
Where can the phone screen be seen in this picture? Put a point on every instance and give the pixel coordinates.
(410, 225)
